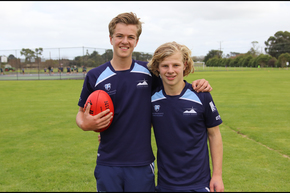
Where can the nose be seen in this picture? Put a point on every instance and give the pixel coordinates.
(170, 69)
(125, 40)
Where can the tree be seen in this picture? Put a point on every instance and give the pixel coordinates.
(38, 51)
(246, 60)
(236, 61)
(234, 54)
(11, 57)
(228, 61)
(213, 61)
(141, 56)
(263, 59)
(27, 53)
(278, 44)
(272, 62)
(254, 50)
(108, 55)
(222, 62)
(252, 62)
(212, 54)
(95, 59)
(283, 58)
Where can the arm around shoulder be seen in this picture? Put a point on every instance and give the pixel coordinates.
(201, 85)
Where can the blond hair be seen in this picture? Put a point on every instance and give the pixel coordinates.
(126, 18)
(168, 49)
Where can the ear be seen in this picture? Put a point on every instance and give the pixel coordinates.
(111, 39)
(157, 70)
(136, 43)
(185, 65)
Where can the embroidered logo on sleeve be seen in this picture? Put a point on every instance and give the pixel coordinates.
(213, 108)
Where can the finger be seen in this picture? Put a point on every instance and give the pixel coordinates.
(211, 189)
(194, 84)
(200, 87)
(104, 121)
(204, 87)
(103, 113)
(88, 108)
(106, 117)
(208, 88)
(103, 118)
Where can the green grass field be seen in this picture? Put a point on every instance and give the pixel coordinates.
(42, 149)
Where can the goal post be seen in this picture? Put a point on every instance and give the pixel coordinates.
(199, 64)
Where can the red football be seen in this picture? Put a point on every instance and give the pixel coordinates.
(100, 101)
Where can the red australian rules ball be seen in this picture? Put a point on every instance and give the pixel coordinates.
(100, 101)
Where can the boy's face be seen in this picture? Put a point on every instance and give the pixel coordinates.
(124, 40)
(171, 70)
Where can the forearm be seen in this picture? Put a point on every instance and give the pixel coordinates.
(80, 119)
(216, 150)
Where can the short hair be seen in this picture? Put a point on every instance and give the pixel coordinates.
(168, 49)
(126, 18)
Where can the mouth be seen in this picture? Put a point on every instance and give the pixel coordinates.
(124, 48)
(170, 77)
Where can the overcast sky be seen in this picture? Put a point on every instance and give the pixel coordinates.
(201, 26)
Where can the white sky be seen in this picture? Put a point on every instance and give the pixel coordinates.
(201, 26)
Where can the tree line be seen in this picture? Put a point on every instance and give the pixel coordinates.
(277, 49)
(248, 60)
(33, 58)
(95, 59)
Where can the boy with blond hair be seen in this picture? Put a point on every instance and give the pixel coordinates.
(182, 121)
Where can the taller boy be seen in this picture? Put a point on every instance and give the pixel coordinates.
(125, 159)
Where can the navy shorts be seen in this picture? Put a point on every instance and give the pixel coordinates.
(125, 179)
(160, 189)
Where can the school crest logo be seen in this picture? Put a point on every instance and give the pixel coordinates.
(156, 108)
(157, 112)
(108, 86)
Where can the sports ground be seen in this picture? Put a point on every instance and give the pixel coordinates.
(42, 149)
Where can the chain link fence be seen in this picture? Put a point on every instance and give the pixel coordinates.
(54, 63)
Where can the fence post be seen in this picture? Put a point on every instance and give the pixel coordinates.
(16, 64)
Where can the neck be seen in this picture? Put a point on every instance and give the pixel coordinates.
(173, 90)
(121, 63)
